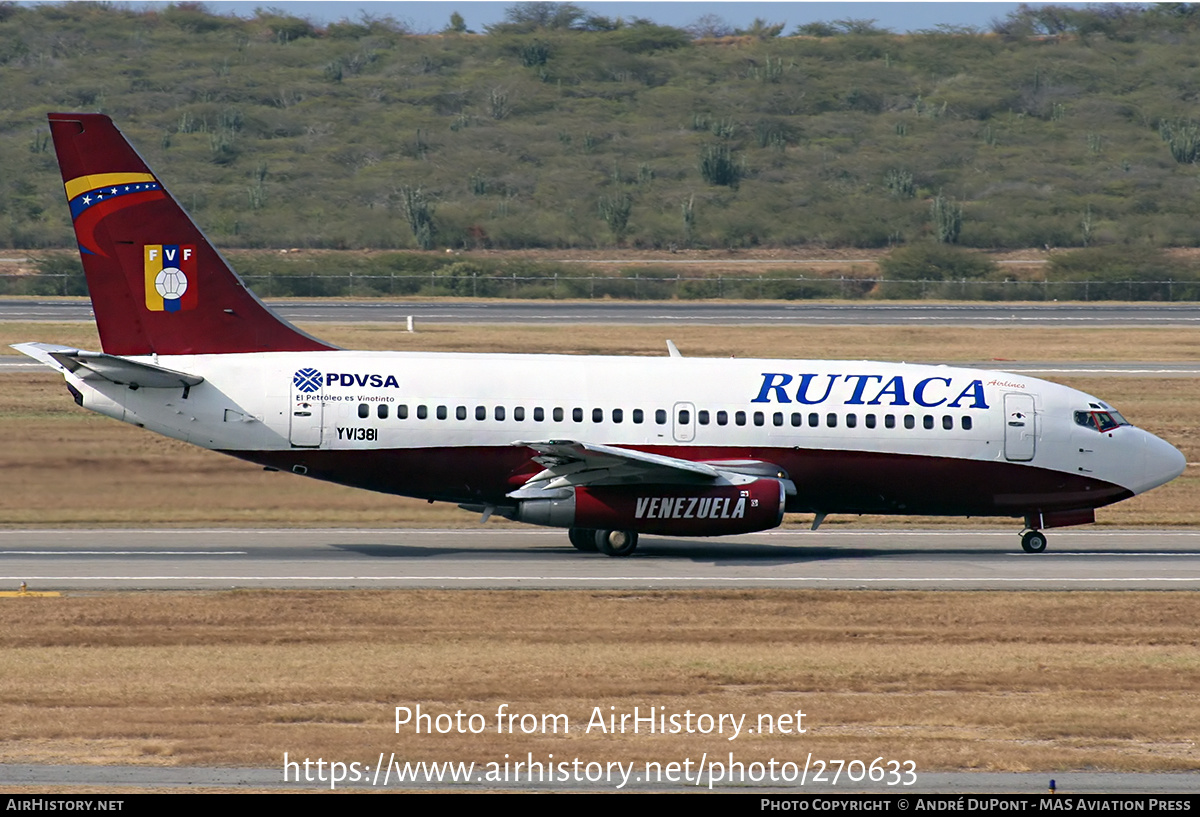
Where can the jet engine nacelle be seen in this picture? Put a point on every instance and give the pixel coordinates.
(672, 510)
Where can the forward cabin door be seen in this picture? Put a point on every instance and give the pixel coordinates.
(1020, 427)
(307, 409)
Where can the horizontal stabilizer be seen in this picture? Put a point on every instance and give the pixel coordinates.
(99, 366)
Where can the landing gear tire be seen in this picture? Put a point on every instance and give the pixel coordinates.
(1033, 541)
(616, 542)
(584, 539)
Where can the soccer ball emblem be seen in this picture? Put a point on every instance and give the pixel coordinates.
(171, 283)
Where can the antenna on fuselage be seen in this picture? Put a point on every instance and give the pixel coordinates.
(672, 349)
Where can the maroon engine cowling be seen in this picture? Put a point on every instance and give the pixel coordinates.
(672, 510)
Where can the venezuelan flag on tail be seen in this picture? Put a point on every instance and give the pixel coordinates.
(158, 286)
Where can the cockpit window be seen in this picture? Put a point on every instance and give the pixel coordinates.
(1100, 420)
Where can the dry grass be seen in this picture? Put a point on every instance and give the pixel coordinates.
(55, 449)
(995, 681)
(899, 343)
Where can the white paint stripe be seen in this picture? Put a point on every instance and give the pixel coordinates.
(594, 579)
(124, 552)
(1099, 553)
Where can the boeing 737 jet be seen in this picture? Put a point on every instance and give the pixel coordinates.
(605, 447)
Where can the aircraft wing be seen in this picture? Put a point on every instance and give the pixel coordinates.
(99, 366)
(570, 463)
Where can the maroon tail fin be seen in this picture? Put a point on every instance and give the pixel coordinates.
(157, 285)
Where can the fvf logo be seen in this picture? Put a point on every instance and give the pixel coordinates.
(170, 275)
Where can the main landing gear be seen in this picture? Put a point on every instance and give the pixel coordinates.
(584, 539)
(1033, 541)
(608, 542)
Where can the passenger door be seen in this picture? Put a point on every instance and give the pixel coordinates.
(1020, 427)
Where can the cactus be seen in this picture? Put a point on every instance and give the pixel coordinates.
(718, 167)
(900, 183)
(947, 219)
(1183, 138)
(419, 215)
(615, 211)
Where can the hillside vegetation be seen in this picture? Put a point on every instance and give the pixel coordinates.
(1067, 128)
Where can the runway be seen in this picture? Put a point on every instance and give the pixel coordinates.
(752, 313)
(535, 558)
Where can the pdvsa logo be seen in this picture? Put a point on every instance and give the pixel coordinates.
(307, 380)
(170, 277)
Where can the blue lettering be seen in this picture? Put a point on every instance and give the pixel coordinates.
(769, 385)
(894, 387)
(975, 390)
(377, 381)
(802, 392)
(856, 398)
(919, 391)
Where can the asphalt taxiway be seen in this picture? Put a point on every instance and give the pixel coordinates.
(510, 558)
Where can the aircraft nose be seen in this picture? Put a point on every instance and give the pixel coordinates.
(1161, 462)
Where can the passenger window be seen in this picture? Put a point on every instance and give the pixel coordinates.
(831, 420)
(402, 411)
(797, 419)
(461, 412)
(660, 416)
(740, 418)
(382, 411)
(597, 415)
(481, 412)
(889, 421)
(966, 423)
(618, 415)
(685, 417)
(577, 415)
(422, 412)
(364, 410)
(777, 418)
(869, 420)
(851, 420)
(539, 414)
(928, 421)
(702, 417)
(558, 415)
(722, 418)
(759, 419)
(519, 414)
(910, 421)
(947, 422)
(638, 415)
(499, 413)
(814, 420)
(442, 412)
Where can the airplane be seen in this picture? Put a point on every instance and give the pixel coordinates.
(608, 448)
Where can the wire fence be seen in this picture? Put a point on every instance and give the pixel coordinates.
(636, 286)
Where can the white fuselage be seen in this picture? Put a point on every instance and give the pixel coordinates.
(446, 424)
